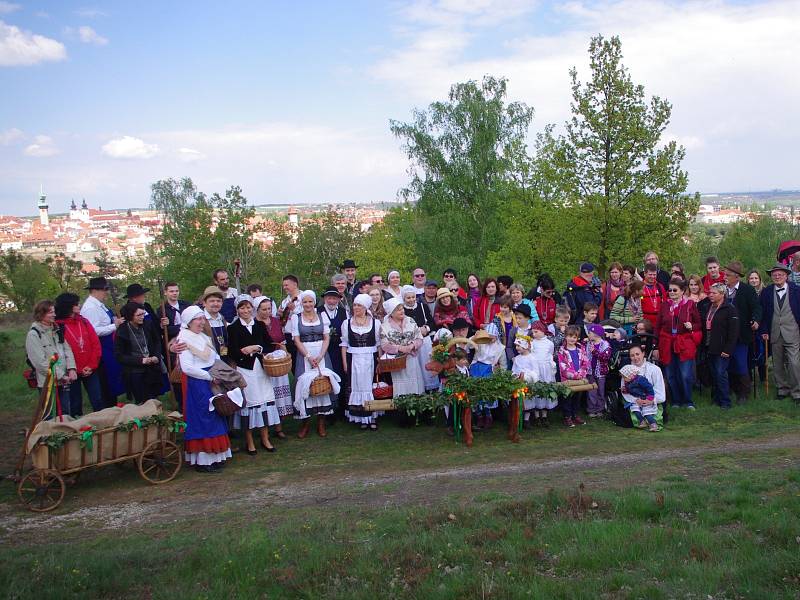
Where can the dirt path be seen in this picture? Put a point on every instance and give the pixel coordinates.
(404, 488)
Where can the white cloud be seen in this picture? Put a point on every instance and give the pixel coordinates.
(42, 147)
(188, 155)
(129, 147)
(23, 48)
(86, 35)
(725, 66)
(9, 136)
(8, 7)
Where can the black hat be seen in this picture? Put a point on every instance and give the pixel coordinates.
(331, 291)
(348, 263)
(97, 283)
(135, 289)
(780, 267)
(523, 309)
(459, 323)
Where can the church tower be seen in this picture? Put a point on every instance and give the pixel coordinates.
(44, 218)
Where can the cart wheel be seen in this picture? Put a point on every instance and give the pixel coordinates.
(160, 461)
(41, 490)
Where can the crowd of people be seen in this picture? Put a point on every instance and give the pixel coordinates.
(716, 329)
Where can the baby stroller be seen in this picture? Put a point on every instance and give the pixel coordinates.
(615, 403)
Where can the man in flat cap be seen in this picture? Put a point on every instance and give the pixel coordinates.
(780, 327)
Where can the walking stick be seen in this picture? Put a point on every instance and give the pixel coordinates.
(766, 365)
(237, 273)
(165, 333)
(38, 415)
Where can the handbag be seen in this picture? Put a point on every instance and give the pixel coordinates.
(224, 406)
(30, 377)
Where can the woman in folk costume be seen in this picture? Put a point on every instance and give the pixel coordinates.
(276, 343)
(311, 334)
(400, 335)
(360, 336)
(422, 316)
(206, 436)
(393, 288)
(248, 340)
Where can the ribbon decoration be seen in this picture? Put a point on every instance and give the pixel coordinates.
(457, 425)
(178, 426)
(86, 438)
(137, 423)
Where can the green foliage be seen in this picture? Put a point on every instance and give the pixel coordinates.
(25, 280)
(610, 170)
(756, 243)
(465, 155)
(388, 246)
(201, 233)
(66, 272)
(314, 250)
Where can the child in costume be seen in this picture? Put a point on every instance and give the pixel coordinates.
(489, 354)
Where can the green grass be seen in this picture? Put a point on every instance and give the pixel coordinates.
(736, 534)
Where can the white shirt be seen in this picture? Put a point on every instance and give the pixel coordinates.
(294, 328)
(97, 314)
(361, 330)
(231, 293)
(176, 306)
(298, 308)
(218, 321)
(653, 374)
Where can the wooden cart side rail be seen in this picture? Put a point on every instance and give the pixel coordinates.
(60, 456)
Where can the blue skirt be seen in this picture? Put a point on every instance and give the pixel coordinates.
(200, 422)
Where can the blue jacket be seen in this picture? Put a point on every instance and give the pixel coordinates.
(578, 293)
(767, 299)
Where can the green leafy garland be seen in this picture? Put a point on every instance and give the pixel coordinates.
(57, 440)
(470, 391)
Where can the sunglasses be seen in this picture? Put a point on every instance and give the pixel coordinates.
(674, 290)
(449, 276)
(378, 281)
(419, 274)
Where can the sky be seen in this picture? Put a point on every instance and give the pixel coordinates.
(291, 101)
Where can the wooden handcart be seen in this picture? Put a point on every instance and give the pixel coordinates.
(152, 447)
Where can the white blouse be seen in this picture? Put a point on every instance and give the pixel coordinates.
(294, 328)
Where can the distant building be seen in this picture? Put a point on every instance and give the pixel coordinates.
(44, 218)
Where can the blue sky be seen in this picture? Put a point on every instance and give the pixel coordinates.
(291, 101)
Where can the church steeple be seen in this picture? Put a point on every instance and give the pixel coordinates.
(44, 218)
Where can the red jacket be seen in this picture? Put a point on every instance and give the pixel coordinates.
(652, 301)
(685, 341)
(82, 339)
(480, 310)
(708, 282)
(546, 309)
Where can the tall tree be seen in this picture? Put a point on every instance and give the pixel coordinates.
(612, 166)
(24, 281)
(201, 233)
(465, 155)
(66, 272)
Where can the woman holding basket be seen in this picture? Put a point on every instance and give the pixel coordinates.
(360, 336)
(400, 335)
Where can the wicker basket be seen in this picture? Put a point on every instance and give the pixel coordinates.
(320, 385)
(390, 365)
(277, 367)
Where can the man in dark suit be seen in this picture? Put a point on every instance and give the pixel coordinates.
(748, 307)
(780, 327)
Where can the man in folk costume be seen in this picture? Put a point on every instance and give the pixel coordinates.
(215, 325)
(290, 305)
(229, 294)
(349, 271)
(745, 299)
(780, 326)
(170, 319)
(331, 306)
(339, 282)
(105, 324)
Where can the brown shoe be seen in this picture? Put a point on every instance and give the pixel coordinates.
(304, 428)
(321, 426)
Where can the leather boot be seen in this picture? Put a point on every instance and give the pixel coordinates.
(321, 426)
(304, 428)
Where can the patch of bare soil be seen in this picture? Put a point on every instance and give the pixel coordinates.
(212, 495)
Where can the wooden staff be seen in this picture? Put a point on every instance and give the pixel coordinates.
(165, 333)
(766, 366)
